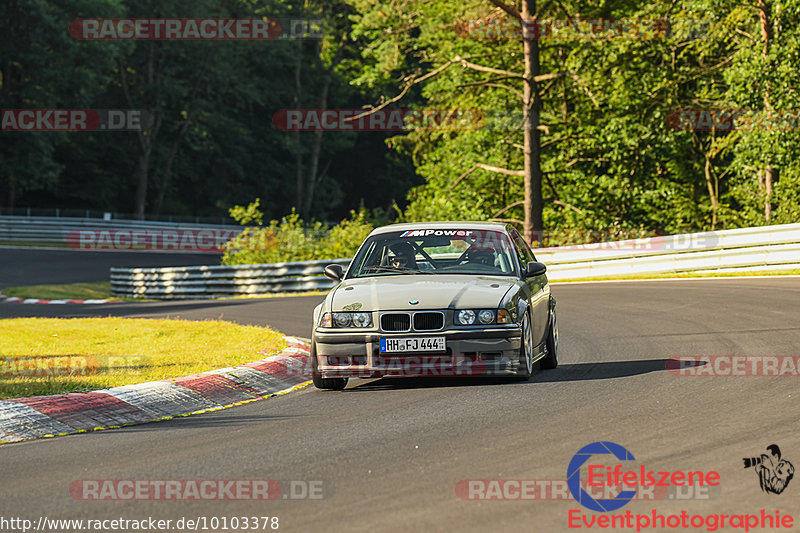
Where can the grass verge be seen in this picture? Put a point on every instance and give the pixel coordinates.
(41, 356)
(100, 290)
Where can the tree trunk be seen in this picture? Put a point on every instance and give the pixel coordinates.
(313, 168)
(533, 206)
(147, 139)
(167, 175)
(713, 192)
(764, 15)
(149, 132)
(769, 177)
(298, 157)
(12, 194)
(313, 176)
(142, 171)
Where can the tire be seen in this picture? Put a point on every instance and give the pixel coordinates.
(319, 381)
(550, 360)
(525, 370)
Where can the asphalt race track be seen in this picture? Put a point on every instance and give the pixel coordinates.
(32, 266)
(389, 453)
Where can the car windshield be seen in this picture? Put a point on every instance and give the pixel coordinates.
(435, 251)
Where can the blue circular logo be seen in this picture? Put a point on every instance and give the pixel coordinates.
(574, 476)
(413, 302)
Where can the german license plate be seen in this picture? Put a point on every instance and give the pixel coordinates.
(413, 344)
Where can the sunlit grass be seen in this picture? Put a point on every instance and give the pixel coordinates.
(52, 356)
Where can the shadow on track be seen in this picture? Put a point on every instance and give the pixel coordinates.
(564, 373)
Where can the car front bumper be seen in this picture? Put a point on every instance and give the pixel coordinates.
(469, 353)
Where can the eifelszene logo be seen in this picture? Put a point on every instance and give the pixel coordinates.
(774, 473)
(616, 480)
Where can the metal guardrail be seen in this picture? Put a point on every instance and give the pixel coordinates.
(153, 236)
(56, 212)
(221, 281)
(767, 247)
(729, 250)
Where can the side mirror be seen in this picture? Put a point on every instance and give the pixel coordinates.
(334, 272)
(535, 268)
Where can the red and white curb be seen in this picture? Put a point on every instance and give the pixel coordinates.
(12, 299)
(66, 414)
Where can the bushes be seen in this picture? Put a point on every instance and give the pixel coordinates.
(289, 239)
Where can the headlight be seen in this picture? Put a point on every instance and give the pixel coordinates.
(342, 320)
(362, 320)
(486, 316)
(345, 320)
(465, 317)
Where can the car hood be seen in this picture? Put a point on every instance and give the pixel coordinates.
(440, 291)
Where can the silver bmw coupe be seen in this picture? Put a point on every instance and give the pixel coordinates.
(436, 299)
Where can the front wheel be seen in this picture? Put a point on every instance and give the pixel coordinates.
(550, 360)
(525, 369)
(319, 381)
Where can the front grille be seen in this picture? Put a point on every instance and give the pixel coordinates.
(428, 321)
(396, 322)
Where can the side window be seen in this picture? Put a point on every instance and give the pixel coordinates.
(527, 248)
(523, 250)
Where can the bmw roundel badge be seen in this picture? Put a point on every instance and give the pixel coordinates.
(413, 302)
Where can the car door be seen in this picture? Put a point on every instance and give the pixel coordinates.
(538, 287)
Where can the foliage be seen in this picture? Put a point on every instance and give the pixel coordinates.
(611, 158)
(216, 146)
(290, 240)
(248, 215)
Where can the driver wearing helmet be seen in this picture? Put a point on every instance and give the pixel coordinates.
(403, 256)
